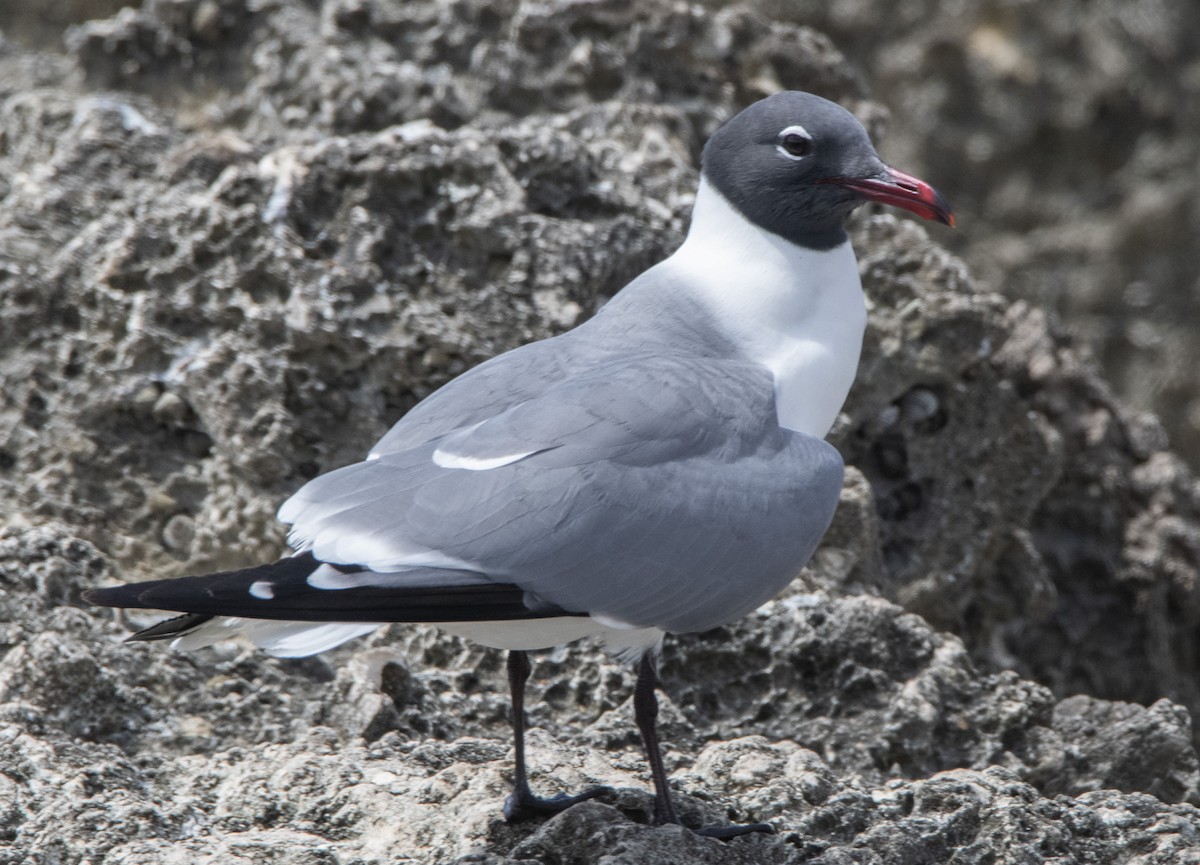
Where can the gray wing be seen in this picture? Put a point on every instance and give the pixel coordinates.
(480, 393)
(658, 492)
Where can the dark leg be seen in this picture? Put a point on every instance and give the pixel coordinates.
(645, 712)
(522, 803)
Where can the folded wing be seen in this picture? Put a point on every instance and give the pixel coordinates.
(654, 491)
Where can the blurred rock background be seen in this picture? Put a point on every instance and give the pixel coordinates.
(1067, 136)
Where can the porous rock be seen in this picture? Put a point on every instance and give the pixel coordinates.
(239, 239)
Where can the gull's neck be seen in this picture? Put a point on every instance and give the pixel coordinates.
(799, 312)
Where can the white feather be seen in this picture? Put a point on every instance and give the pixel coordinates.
(279, 638)
(330, 578)
(299, 639)
(554, 631)
(448, 460)
(799, 312)
(380, 553)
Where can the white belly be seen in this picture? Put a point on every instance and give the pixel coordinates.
(556, 631)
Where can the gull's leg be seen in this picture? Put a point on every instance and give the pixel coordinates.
(521, 803)
(645, 712)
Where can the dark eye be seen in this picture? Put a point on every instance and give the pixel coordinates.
(794, 142)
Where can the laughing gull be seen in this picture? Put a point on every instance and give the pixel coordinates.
(659, 469)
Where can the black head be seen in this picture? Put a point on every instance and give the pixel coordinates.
(797, 165)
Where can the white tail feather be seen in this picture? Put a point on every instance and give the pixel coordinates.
(280, 638)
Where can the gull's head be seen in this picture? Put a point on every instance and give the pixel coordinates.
(797, 165)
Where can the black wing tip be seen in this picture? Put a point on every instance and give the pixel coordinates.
(128, 596)
(169, 629)
(113, 596)
(228, 593)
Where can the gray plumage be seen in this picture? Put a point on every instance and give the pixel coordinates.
(582, 522)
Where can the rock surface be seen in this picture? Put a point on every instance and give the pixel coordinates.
(1068, 138)
(229, 228)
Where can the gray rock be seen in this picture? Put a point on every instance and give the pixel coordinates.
(239, 239)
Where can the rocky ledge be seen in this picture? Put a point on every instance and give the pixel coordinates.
(238, 239)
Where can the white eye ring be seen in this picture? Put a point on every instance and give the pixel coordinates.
(790, 131)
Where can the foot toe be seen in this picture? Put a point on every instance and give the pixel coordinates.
(523, 806)
(724, 833)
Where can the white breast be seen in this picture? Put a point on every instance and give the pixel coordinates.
(799, 312)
